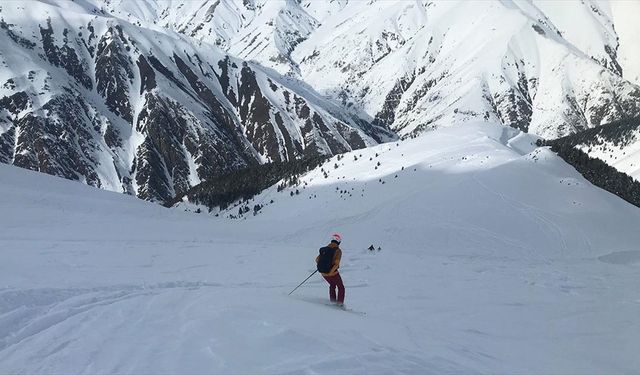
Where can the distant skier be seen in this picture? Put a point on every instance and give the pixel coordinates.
(328, 263)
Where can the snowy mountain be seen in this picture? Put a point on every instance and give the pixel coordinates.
(495, 258)
(143, 110)
(409, 126)
(551, 68)
(152, 97)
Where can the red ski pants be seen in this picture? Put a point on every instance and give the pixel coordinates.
(335, 281)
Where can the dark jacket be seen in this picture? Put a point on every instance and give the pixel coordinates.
(336, 260)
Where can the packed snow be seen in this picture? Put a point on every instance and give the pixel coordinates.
(495, 257)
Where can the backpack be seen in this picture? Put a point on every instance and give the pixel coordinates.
(325, 260)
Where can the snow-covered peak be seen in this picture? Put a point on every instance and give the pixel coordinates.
(551, 68)
(140, 108)
(272, 80)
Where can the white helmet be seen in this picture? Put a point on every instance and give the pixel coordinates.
(336, 237)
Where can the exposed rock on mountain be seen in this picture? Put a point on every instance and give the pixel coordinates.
(160, 95)
(88, 96)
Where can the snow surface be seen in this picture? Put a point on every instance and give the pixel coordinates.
(625, 15)
(496, 258)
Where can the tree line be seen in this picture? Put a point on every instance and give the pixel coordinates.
(596, 171)
(246, 183)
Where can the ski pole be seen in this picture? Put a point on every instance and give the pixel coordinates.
(305, 280)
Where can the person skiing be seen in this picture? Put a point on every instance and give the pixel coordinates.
(328, 262)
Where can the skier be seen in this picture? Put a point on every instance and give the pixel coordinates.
(328, 263)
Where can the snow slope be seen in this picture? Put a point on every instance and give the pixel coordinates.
(496, 258)
(625, 16)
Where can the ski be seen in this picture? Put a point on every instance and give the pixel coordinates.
(345, 309)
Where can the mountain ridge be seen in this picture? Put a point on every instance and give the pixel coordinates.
(147, 113)
(152, 97)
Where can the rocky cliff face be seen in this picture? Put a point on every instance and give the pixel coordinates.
(90, 97)
(549, 68)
